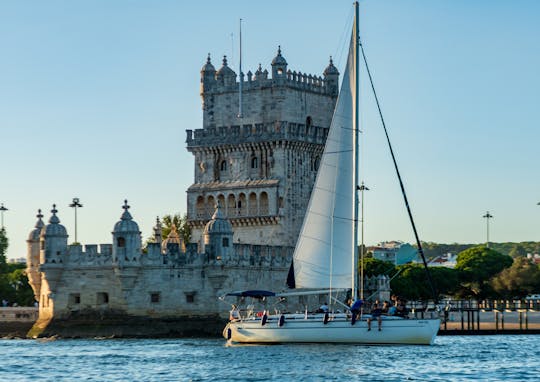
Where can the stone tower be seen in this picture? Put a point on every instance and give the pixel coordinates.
(32, 257)
(261, 166)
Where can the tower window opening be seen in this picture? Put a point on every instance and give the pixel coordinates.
(223, 165)
(74, 298)
(254, 162)
(121, 242)
(225, 242)
(155, 297)
(308, 122)
(102, 298)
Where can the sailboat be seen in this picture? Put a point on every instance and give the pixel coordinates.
(325, 255)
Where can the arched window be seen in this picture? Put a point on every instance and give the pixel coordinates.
(315, 163)
(252, 204)
(231, 205)
(221, 201)
(254, 162)
(225, 242)
(242, 204)
(223, 165)
(121, 242)
(263, 203)
(199, 207)
(210, 206)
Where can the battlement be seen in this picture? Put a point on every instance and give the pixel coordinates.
(260, 79)
(90, 250)
(261, 132)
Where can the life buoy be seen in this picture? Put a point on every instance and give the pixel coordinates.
(326, 318)
(264, 318)
(260, 314)
(281, 320)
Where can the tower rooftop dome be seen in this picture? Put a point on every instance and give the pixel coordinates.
(126, 223)
(330, 69)
(225, 70)
(54, 228)
(34, 234)
(173, 238)
(279, 59)
(208, 67)
(218, 223)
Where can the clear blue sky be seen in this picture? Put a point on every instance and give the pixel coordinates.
(96, 95)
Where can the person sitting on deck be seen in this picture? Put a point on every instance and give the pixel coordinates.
(376, 312)
(402, 310)
(234, 314)
(324, 308)
(385, 307)
(392, 311)
(355, 308)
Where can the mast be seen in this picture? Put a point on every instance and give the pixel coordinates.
(356, 126)
(240, 77)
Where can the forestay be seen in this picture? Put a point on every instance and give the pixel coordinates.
(323, 253)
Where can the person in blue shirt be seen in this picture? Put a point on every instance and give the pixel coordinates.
(355, 309)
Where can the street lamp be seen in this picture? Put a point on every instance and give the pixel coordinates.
(362, 188)
(487, 216)
(74, 205)
(2, 210)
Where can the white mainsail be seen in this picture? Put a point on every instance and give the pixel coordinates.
(322, 257)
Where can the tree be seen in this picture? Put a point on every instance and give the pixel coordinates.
(3, 249)
(476, 267)
(167, 221)
(518, 251)
(521, 279)
(181, 223)
(411, 283)
(375, 267)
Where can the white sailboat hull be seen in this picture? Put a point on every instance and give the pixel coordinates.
(337, 330)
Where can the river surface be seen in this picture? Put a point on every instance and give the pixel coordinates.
(452, 358)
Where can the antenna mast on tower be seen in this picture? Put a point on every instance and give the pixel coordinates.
(240, 76)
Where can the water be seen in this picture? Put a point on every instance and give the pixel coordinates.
(455, 358)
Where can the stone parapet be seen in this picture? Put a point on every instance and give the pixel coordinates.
(236, 135)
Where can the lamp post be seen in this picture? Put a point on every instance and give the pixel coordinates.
(487, 216)
(74, 205)
(2, 210)
(362, 188)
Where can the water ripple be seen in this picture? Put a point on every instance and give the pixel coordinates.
(459, 358)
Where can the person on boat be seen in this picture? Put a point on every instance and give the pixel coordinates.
(385, 308)
(376, 313)
(324, 308)
(356, 307)
(401, 309)
(392, 311)
(234, 314)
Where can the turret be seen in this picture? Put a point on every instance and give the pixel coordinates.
(173, 244)
(32, 257)
(226, 76)
(158, 232)
(126, 239)
(218, 236)
(279, 66)
(331, 76)
(53, 240)
(208, 76)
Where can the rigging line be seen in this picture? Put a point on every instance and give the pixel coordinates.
(344, 40)
(420, 250)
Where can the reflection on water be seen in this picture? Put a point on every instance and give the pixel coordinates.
(459, 358)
